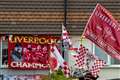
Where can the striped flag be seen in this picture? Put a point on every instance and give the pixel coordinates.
(62, 62)
(53, 62)
(57, 55)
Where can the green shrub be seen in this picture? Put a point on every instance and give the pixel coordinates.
(58, 75)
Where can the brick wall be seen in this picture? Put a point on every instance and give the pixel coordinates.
(46, 16)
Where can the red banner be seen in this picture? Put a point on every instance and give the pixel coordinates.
(29, 52)
(104, 31)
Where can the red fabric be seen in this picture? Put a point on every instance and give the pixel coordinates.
(80, 57)
(65, 36)
(104, 31)
(63, 64)
(32, 56)
(53, 63)
(98, 64)
(66, 69)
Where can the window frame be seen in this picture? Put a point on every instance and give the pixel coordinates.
(109, 62)
(1, 47)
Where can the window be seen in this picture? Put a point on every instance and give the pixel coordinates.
(1, 77)
(100, 53)
(103, 55)
(4, 50)
(115, 61)
(87, 43)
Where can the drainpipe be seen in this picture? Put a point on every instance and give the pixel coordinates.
(65, 12)
(65, 24)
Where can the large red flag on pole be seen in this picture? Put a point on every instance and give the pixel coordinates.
(103, 30)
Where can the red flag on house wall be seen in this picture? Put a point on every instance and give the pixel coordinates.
(104, 31)
(29, 51)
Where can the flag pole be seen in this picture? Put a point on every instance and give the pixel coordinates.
(62, 42)
(65, 13)
(64, 24)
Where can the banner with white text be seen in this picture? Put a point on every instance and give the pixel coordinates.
(29, 52)
(104, 31)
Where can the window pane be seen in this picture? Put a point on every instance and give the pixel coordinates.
(4, 50)
(115, 61)
(101, 54)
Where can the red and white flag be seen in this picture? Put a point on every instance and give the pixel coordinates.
(53, 62)
(80, 57)
(88, 61)
(66, 69)
(66, 38)
(66, 43)
(62, 62)
(94, 64)
(98, 64)
(103, 30)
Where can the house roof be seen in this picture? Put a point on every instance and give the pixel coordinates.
(46, 16)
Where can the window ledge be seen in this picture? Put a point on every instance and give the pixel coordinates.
(112, 66)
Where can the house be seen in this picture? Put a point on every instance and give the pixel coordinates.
(41, 17)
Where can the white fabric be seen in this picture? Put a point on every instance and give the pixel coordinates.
(58, 56)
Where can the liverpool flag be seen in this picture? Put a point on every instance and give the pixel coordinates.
(103, 30)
